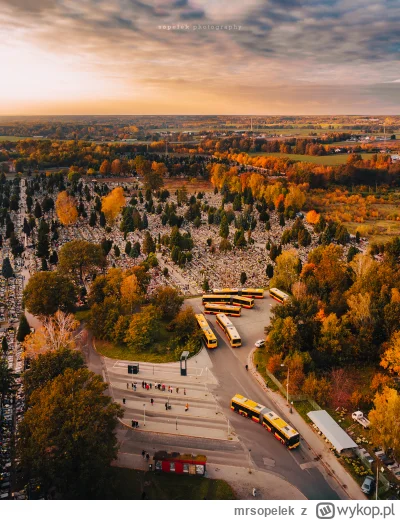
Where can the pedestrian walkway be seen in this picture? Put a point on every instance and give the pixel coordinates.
(186, 406)
(347, 487)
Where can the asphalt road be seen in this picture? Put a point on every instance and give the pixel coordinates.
(256, 447)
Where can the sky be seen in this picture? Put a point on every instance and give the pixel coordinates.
(199, 57)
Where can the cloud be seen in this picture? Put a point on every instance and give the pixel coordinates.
(327, 45)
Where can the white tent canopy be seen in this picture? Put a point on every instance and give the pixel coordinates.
(332, 431)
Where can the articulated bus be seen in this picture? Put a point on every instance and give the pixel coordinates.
(278, 295)
(226, 325)
(209, 338)
(215, 308)
(259, 413)
(245, 291)
(240, 301)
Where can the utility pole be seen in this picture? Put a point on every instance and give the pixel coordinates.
(144, 415)
(377, 480)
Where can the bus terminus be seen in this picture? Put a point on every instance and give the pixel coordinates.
(278, 295)
(226, 325)
(209, 338)
(245, 291)
(241, 301)
(285, 433)
(215, 308)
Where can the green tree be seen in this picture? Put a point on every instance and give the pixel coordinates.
(168, 301)
(243, 278)
(6, 377)
(67, 436)
(47, 292)
(224, 228)
(7, 271)
(4, 345)
(23, 328)
(205, 285)
(43, 242)
(148, 244)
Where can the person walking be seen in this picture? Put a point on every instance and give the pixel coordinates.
(142, 384)
(123, 400)
(150, 386)
(147, 457)
(247, 367)
(171, 390)
(187, 407)
(166, 406)
(184, 391)
(177, 390)
(152, 401)
(127, 386)
(143, 453)
(134, 387)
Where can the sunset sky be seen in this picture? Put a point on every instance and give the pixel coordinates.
(278, 57)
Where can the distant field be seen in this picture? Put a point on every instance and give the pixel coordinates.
(194, 185)
(12, 138)
(329, 160)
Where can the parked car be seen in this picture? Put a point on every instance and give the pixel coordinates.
(260, 343)
(368, 485)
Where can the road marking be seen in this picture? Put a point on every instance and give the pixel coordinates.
(308, 465)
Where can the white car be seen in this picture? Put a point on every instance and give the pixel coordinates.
(260, 343)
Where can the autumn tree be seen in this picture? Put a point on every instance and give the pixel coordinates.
(23, 328)
(384, 417)
(112, 203)
(130, 292)
(67, 212)
(168, 301)
(318, 389)
(286, 272)
(56, 333)
(46, 367)
(312, 217)
(143, 329)
(47, 292)
(391, 357)
(67, 436)
(80, 259)
(283, 336)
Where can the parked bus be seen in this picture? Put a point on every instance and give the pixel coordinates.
(245, 291)
(241, 301)
(259, 413)
(278, 295)
(215, 308)
(226, 325)
(209, 338)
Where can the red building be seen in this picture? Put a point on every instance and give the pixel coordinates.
(182, 464)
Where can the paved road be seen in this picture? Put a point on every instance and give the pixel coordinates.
(297, 466)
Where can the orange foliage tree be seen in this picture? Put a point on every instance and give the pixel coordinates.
(112, 203)
(66, 209)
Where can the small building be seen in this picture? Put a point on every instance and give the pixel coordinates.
(339, 439)
(395, 158)
(181, 464)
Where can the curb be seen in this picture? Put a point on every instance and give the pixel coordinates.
(175, 434)
(257, 377)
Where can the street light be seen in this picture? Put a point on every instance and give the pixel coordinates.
(287, 383)
(144, 414)
(176, 424)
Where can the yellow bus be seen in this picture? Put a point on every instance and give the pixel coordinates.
(209, 338)
(278, 295)
(226, 325)
(259, 413)
(215, 308)
(241, 301)
(245, 291)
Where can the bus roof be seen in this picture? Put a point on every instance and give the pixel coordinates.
(278, 292)
(231, 330)
(281, 424)
(205, 327)
(257, 407)
(221, 306)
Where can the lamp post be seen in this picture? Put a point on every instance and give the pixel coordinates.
(144, 415)
(176, 424)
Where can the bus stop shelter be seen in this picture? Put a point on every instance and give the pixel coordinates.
(332, 431)
(183, 362)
